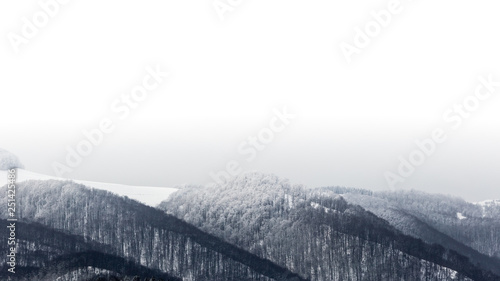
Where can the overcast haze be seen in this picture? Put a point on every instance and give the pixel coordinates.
(227, 78)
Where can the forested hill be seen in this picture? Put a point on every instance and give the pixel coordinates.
(469, 228)
(322, 237)
(255, 227)
(131, 232)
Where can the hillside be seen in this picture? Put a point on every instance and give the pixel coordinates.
(320, 237)
(434, 218)
(137, 233)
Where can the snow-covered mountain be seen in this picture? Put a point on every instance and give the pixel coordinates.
(318, 234)
(148, 195)
(255, 227)
(82, 230)
(69, 232)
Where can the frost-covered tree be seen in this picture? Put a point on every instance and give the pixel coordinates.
(9, 160)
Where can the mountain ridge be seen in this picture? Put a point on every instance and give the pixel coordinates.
(254, 209)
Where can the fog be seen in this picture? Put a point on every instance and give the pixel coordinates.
(227, 79)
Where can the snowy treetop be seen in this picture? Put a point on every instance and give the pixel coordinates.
(9, 160)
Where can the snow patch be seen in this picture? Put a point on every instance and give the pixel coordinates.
(318, 206)
(289, 199)
(315, 205)
(460, 216)
(148, 195)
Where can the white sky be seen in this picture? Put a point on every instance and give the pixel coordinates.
(353, 120)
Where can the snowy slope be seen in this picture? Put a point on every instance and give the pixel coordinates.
(148, 195)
